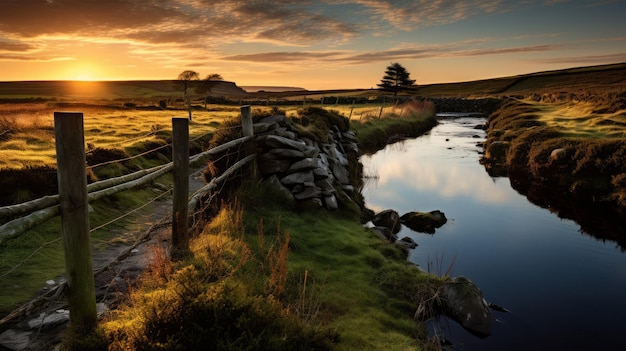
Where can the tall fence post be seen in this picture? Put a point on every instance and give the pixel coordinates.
(72, 182)
(246, 121)
(180, 159)
(247, 129)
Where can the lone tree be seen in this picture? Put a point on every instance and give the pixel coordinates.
(396, 78)
(206, 85)
(186, 81)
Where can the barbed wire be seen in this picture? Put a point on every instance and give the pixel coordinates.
(128, 158)
(226, 156)
(21, 263)
(29, 257)
(139, 155)
(151, 133)
(130, 212)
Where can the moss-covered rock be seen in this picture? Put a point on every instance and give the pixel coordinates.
(424, 222)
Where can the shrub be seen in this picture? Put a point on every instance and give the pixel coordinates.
(205, 304)
(8, 127)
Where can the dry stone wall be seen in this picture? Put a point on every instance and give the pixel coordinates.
(310, 172)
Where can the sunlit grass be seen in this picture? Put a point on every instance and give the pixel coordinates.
(581, 119)
(33, 142)
(591, 138)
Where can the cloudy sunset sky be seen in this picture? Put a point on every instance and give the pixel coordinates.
(338, 44)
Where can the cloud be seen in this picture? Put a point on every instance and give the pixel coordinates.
(409, 15)
(404, 53)
(174, 21)
(499, 51)
(591, 59)
(30, 18)
(5, 57)
(15, 45)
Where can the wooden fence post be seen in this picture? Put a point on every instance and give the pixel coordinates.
(180, 159)
(72, 182)
(246, 121)
(247, 129)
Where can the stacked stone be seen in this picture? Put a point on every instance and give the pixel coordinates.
(300, 167)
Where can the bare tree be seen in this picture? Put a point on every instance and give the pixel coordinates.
(206, 85)
(186, 81)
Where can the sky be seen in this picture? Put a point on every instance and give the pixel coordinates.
(342, 44)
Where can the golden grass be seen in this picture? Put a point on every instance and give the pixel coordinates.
(581, 119)
(33, 143)
(590, 138)
(117, 127)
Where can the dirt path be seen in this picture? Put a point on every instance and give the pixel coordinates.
(117, 267)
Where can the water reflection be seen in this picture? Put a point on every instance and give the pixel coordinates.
(422, 165)
(597, 219)
(564, 289)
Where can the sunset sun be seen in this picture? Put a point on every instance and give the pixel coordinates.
(84, 72)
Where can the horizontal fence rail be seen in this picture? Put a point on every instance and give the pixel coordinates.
(45, 208)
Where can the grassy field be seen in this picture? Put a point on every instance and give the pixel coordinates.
(31, 143)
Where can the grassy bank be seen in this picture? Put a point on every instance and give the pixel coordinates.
(267, 278)
(578, 146)
(407, 121)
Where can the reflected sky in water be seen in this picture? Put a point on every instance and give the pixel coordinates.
(438, 166)
(564, 289)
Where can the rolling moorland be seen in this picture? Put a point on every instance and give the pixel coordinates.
(581, 82)
(580, 110)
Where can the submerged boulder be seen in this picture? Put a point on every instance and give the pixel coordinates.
(464, 303)
(424, 222)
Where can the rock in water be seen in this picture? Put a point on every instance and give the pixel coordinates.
(464, 303)
(424, 222)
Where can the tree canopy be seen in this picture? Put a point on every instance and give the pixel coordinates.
(205, 86)
(396, 78)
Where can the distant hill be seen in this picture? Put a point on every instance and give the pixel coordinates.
(601, 79)
(579, 80)
(105, 90)
(272, 89)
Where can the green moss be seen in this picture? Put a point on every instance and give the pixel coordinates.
(364, 282)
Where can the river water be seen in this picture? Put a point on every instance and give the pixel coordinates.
(565, 289)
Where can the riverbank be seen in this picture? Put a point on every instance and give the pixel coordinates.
(573, 150)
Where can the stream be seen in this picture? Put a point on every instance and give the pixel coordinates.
(564, 287)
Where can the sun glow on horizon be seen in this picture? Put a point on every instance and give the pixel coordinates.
(85, 72)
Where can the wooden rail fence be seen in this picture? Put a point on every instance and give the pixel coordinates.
(74, 195)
